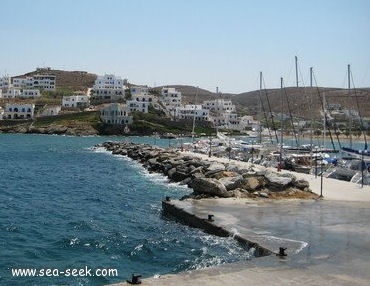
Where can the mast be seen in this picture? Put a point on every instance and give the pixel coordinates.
(349, 109)
(311, 110)
(272, 117)
(264, 112)
(324, 121)
(259, 93)
(296, 70)
(195, 102)
(281, 119)
(291, 118)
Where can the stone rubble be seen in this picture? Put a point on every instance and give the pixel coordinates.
(213, 179)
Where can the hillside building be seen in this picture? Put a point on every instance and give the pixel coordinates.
(140, 106)
(30, 93)
(19, 111)
(171, 98)
(76, 100)
(190, 111)
(108, 88)
(11, 93)
(42, 82)
(50, 111)
(116, 113)
(139, 90)
(141, 99)
(227, 120)
(5, 82)
(219, 105)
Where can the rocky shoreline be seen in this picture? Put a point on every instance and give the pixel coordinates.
(214, 179)
(29, 128)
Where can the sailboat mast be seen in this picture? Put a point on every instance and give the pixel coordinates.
(311, 110)
(324, 122)
(296, 70)
(281, 119)
(195, 105)
(349, 109)
(260, 125)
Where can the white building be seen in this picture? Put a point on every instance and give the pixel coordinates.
(30, 93)
(108, 88)
(1, 112)
(77, 100)
(139, 90)
(227, 120)
(247, 122)
(23, 82)
(171, 98)
(116, 113)
(140, 106)
(11, 93)
(219, 105)
(4, 82)
(50, 110)
(19, 111)
(190, 111)
(43, 82)
(109, 81)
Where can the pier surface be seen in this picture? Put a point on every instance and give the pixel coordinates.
(327, 241)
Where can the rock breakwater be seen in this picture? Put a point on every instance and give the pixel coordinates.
(208, 178)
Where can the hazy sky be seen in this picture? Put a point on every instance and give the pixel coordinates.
(208, 43)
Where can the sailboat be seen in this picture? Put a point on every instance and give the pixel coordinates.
(364, 154)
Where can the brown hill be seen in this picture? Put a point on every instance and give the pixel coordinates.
(247, 103)
(74, 80)
(188, 92)
(300, 100)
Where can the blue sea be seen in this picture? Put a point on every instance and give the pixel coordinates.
(65, 205)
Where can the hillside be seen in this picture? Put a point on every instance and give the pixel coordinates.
(188, 92)
(300, 100)
(247, 102)
(71, 80)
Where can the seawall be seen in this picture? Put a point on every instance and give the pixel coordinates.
(217, 179)
(207, 225)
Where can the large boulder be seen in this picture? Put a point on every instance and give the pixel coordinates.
(277, 182)
(253, 183)
(211, 187)
(302, 184)
(216, 167)
(231, 183)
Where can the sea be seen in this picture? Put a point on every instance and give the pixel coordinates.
(66, 206)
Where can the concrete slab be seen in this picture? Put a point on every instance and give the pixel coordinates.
(328, 243)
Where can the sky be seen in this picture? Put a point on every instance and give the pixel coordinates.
(205, 43)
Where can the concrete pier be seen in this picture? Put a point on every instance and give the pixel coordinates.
(327, 242)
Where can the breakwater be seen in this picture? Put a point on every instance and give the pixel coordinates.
(213, 179)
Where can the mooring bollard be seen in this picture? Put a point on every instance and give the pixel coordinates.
(210, 217)
(282, 252)
(135, 280)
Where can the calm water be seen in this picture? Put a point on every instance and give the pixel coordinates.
(64, 205)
